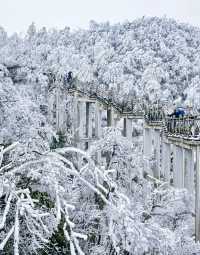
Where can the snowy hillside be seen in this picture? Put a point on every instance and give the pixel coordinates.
(55, 196)
(153, 55)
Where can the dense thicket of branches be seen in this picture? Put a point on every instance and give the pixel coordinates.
(156, 55)
(52, 204)
(58, 200)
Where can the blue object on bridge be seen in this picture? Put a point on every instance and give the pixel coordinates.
(179, 112)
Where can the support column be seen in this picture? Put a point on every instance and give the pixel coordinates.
(197, 195)
(88, 120)
(147, 142)
(110, 117)
(147, 150)
(157, 144)
(178, 169)
(75, 118)
(166, 161)
(189, 170)
(81, 114)
(98, 128)
(125, 127)
(116, 121)
(128, 129)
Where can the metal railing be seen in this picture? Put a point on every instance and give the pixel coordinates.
(186, 127)
(154, 115)
(137, 107)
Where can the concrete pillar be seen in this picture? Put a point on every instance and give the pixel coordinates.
(178, 168)
(147, 149)
(124, 127)
(98, 128)
(110, 117)
(157, 147)
(197, 195)
(128, 129)
(147, 142)
(81, 122)
(88, 120)
(116, 121)
(75, 118)
(189, 170)
(166, 161)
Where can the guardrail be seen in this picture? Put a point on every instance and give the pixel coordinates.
(154, 115)
(135, 107)
(185, 127)
(188, 126)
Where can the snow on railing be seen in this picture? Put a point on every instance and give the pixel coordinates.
(188, 126)
(185, 127)
(136, 107)
(154, 114)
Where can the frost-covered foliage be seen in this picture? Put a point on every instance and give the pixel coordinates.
(60, 201)
(21, 118)
(55, 205)
(149, 55)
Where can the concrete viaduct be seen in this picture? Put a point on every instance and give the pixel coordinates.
(173, 144)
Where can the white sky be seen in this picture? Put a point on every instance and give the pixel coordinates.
(17, 15)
